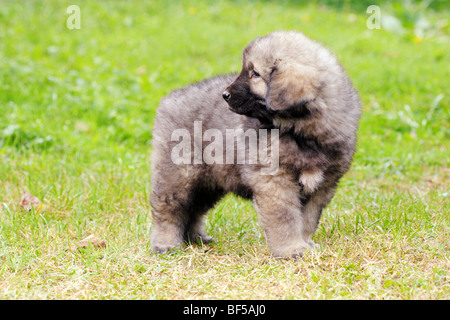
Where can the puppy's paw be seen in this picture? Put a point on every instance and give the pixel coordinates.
(294, 251)
(206, 239)
(310, 180)
(166, 248)
(200, 238)
(313, 246)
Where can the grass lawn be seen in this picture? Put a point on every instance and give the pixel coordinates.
(76, 113)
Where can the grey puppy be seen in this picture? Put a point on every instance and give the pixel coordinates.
(288, 82)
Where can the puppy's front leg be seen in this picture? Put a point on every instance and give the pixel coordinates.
(277, 203)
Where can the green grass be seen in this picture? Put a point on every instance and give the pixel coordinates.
(76, 112)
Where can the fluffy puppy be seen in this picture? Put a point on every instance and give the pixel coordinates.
(288, 82)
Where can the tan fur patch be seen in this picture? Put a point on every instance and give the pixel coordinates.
(311, 180)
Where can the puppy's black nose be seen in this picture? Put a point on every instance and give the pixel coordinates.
(226, 95)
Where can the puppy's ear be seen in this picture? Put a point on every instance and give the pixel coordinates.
(291, 85)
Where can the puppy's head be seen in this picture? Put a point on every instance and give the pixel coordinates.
(278, 76)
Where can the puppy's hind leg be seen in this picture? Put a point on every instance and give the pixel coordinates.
(203, 201)
(178, 213)
(170, 201)
(169, 222)
(196, 231)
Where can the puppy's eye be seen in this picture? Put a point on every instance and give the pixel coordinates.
(254, 74)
